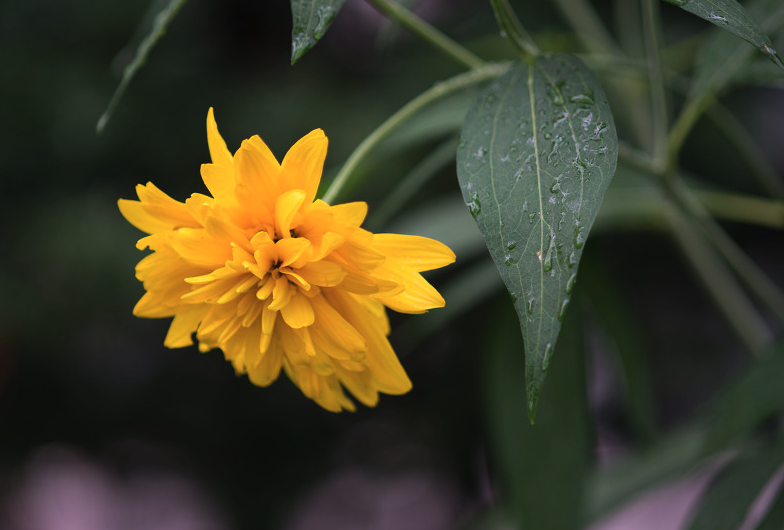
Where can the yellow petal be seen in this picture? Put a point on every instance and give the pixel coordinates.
(322, 273)
(267, 369)
(215, 320)
(350, 213)
(359, 384)
(185, 322)
(339, 338)
(293, 252)
(220, 181)
(298, 312)
(380, 359)
(218, 152)
(197, 248)
(257, 181)
(266, 257)
(138, 217)
(418, 295)
(266, 289)
(415, 252)
(281, 293)
(268, 319)
(150, 306)
(303, 164)
(286, 208)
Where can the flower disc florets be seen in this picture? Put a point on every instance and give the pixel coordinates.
(278, 279)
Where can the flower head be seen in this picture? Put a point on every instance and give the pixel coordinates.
(276, 278)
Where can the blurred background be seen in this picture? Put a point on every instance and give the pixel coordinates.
(101, 427)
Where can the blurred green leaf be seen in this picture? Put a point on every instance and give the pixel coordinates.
(622, 480)
(537, 151)
(543, 467)
(723, 56)
(619, 321)
(311, 19)
(733, 17)
(159, 25)
(748, 402)
(731, 493)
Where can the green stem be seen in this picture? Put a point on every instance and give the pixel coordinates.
(159, 25)
(588, 26)
(743, 208)
(512, 28)
(653, 43)
(683, 125)
(413, 182)
(428, 33)
(747, 150)
(438, 91)
(748, 271)
(719, 282)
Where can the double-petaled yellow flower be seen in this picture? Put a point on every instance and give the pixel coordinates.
(277, 278)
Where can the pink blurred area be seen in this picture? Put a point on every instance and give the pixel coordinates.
(60, 489)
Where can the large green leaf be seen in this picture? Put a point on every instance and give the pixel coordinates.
(537, 151)
(733, 17)
(311, 19)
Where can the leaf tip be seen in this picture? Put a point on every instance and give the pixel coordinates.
(533, 402)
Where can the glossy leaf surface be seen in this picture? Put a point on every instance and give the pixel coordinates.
(723, 56)
(311, 19)
(733, 17)
(537, 151)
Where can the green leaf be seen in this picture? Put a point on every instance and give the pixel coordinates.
(159, 25)
(537, 151)
(731, 494)
(543, 468)
(755, 397)
(311, 19)
(733, 17)
(723, 57)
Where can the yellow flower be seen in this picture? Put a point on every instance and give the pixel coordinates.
(277, 278)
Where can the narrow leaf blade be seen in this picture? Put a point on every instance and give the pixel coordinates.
(159, 25)
(731, 494)
(311, 19)
(723, 56)
(537, 151)
(733, 17)
(747, 403)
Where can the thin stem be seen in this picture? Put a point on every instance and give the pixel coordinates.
(513, 29)
(683, 125)
(428, 33)
(738, 310)
(653, 42)
(748, 271)
(589, 27)
(747, 150)
(413, 182)
(742, 208)
(159, 25)
(438, 91)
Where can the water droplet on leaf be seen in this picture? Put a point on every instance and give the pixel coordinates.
(548, 353)
(562, 309)
(570, 283)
